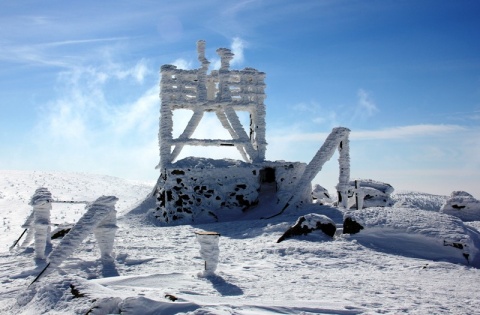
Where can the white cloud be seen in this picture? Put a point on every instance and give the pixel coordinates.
(237, 47)
(318, 114)
(85, 130)
(137, 115)
(137, 72)
(403, 132)
(181, 63)
(366, 107)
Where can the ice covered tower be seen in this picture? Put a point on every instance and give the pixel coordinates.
(195, 189)
(224, 92)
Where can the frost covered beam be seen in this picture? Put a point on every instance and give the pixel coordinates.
(222, 91)
(338, 138)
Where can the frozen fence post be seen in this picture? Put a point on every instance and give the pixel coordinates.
(100, 213)
(41, 202)
(105, 232)
(209, 250)
(359, 195)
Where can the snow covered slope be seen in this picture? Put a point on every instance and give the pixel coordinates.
(156, 268)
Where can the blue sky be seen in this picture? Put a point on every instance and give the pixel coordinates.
(79, 82)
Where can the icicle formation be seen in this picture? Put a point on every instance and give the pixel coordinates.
(209, 251)
(42, 204)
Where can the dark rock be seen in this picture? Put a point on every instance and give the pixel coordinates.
(351, 227)
(309, 223)
(60, 234)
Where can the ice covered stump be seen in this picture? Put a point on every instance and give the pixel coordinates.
(462, 205)
(429, 234)
(41, 202)
(209, 250)
(309, 223)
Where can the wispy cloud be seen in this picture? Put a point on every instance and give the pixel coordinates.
(403, 132)
(79, 42)
(181, 63)
(366, 107)
(237, 47)
(90, 131)
(318, 114)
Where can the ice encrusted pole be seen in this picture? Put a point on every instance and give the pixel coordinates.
(41, 202)
(209, 251)
(344, 176)
(105, 233)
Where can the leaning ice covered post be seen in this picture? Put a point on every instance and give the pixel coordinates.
(209, 250)
(344, 177)
(105, 231)
(30, 230)
(338, 138)
(97, 215)
(41, 202)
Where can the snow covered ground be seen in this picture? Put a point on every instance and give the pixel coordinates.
(396, 265)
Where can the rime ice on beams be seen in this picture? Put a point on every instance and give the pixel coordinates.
(223, 92)
(209, 251)
(41, 202)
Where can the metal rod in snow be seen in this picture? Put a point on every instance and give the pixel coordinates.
(324, 154)
(18, 239)
(71, 201)
(39, 275)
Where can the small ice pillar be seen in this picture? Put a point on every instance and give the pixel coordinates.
(209, 250)
(105, 233)
(41, 203)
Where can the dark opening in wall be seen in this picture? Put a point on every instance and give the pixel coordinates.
(267, 175)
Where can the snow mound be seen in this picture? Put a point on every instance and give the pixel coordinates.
(370, 183)
(374, 193)
(423, 234)
(462, 205)
(320, 195)
(418, 200)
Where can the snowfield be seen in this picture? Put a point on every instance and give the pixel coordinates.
(398, 263)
